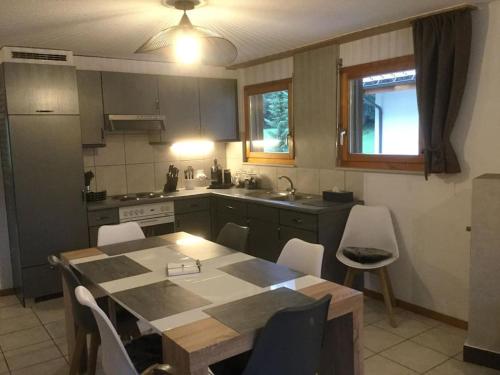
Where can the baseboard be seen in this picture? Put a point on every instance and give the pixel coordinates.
(421, 310)
(481, 357)
(7, 292)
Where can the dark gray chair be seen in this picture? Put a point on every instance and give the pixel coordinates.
(233, 236)
(289, 344)
(85, 322)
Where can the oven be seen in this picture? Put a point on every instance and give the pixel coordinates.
(155, 219)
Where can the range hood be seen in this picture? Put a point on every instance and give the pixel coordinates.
(135, 122)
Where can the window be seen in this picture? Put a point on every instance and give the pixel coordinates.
(268, 122)
(379, 125)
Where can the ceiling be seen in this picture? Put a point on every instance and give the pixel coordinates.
(116, 28)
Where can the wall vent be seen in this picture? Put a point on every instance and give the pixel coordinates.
(36, 56)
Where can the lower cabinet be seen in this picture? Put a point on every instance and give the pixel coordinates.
(264, 239)
(197, 223)
(287, 233)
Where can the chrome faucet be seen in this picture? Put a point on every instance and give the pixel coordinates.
(291, 190)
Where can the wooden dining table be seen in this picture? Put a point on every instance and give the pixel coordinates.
(215, 314)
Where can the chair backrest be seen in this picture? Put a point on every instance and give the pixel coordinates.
(302, 256)
(82, 315)
(110, 234)
(115, 359)
(370, 226)
(233, 236)
(290, 343)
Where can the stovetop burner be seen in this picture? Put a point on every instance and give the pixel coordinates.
(138, 196)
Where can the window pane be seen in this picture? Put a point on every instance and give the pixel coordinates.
(384, 114)
(269, 122)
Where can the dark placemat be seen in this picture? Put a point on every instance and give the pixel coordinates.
(159, 300)
(253, 312)
(261, 272)
(103, 270)
(129, 246)
(202, 250)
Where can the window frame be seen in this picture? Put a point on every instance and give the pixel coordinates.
(365, 161)
(269, 157)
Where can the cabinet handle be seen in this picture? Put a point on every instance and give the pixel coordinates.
(298, 221)
(279, 233)
(103, 218)
(44, 111)
(102, 134)
(468, 229)
(230, 207)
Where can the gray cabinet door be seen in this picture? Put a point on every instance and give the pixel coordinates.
(263, 239)
(197, 223)
(48, 179)
(91, 108)
(40, 89)
(180, 104)
(130, 94)
(218, 109)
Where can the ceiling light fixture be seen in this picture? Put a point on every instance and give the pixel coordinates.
(190, 44)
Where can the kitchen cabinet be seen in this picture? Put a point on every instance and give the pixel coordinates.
(91, 108)
(180, 104)
(264, 234)
(193, 216)
(130, 93)
(218, 109)
(98, 218)
(40, 89)
(229, 211)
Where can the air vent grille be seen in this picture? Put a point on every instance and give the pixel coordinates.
(38, 56)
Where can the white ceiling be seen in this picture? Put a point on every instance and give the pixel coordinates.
(116, 28)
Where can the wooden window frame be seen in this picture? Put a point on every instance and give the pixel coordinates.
(364, 161)
(269, 157)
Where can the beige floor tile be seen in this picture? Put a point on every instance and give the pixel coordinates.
(367, 353)
(411, 355)
(378, 365)
(31, 355)
(454, 367)
(373, 316)
(406, 328)
(56, 329)
(3, 365)
(50, 310)
(18, 323)
(9, 301)
(62, 344)
(13, 311)
(54, 367)
(459, 356)
(376, 339)
(22, 338)
(444, 340)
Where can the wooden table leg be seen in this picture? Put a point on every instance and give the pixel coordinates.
(70, 321)
(357, 325)
(180, 359)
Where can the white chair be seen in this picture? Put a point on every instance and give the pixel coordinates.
(115, 358)
(371, 227)
(302, 256)
(110, 234)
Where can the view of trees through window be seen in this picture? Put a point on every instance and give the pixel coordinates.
(276, 121)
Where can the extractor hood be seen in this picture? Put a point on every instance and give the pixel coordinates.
(135, 122)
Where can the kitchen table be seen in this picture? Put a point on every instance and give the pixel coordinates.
(209, 316)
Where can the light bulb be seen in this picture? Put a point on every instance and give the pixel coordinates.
(187, 48)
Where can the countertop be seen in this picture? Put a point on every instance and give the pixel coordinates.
(314, 204)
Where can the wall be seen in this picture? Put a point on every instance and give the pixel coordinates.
(129, 164)
(5, 269)
(430, 216)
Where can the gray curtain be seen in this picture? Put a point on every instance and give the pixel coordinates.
(442, 49)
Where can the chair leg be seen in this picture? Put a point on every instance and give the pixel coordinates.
(389, 286)
(349, 277)
(384, 281)
(95, 340)
(80, 342)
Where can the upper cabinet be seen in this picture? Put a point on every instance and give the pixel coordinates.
(130, 94)
(218, 109)
(91, 108)
(180, 103)
(40, 89)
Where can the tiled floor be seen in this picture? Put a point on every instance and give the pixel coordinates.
(32, 341)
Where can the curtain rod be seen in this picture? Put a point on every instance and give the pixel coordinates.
(352, 36)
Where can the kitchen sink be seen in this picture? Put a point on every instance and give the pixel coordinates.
(286, 197)
(277, 196)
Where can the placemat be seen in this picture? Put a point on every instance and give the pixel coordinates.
(253, 312)
(159, 300)
(108, 269)
(261, 272)
(135, 245)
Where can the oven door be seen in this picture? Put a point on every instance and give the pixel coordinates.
(157, 226)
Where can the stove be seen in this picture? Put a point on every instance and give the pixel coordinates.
(139, 196)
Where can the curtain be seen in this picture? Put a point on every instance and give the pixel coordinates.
(442, 48)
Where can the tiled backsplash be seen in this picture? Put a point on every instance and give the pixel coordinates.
(306, 180)
(129, 164)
